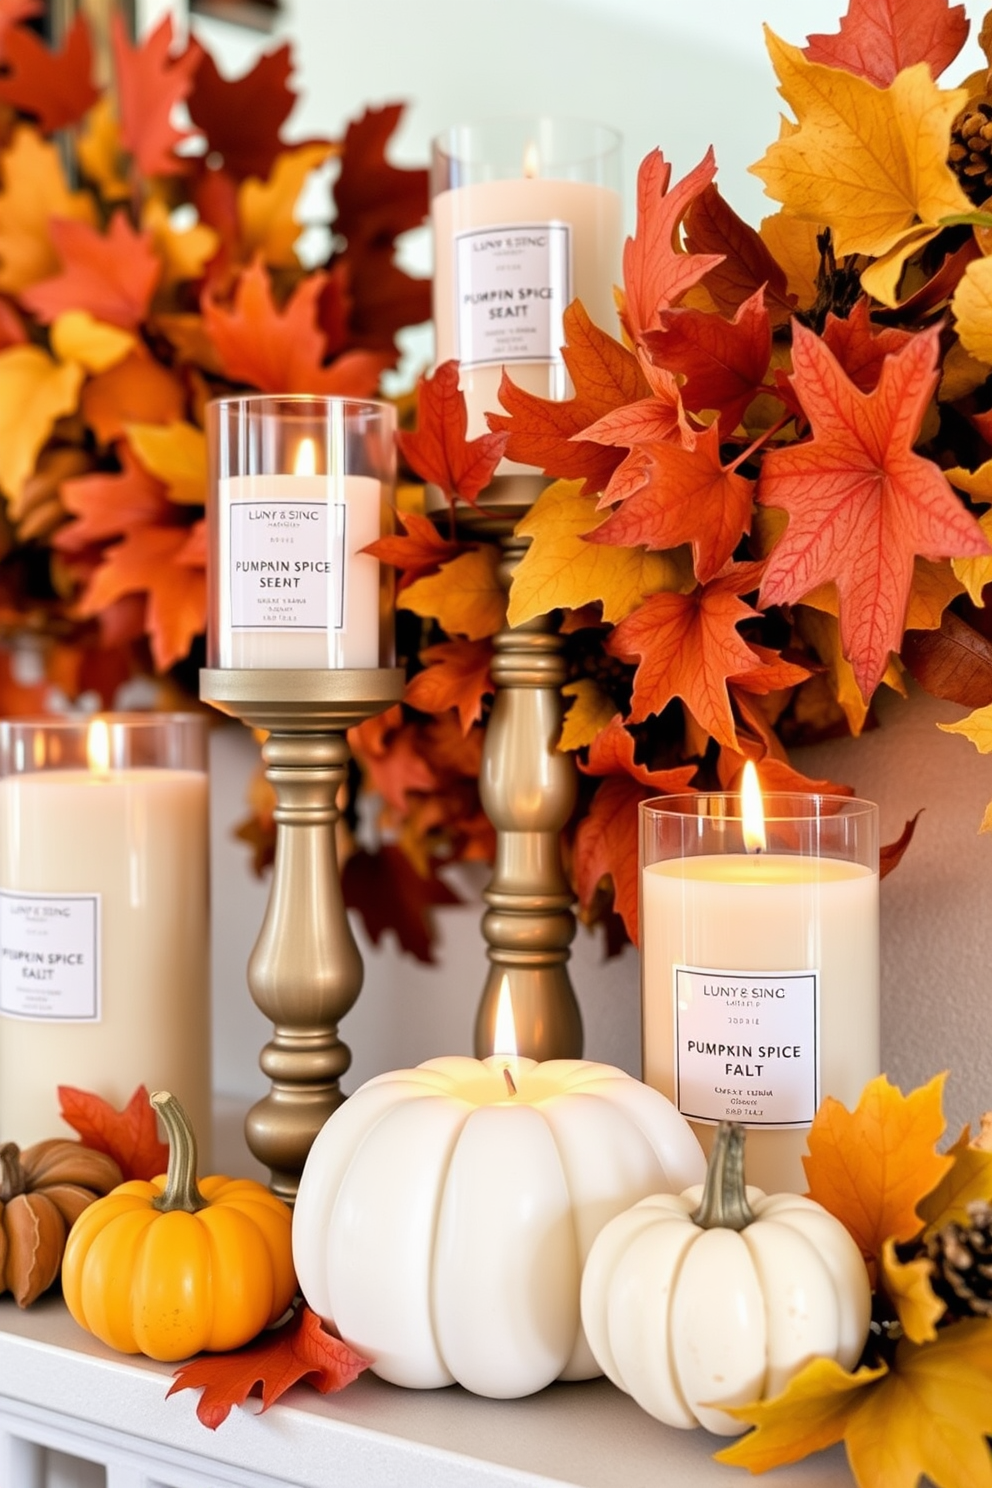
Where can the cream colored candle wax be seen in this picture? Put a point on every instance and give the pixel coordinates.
(103, 941)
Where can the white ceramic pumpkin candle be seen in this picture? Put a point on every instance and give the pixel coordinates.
(760, 965)
(445, 1213)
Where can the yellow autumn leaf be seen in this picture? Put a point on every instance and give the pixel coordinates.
(908, 1287)
(819, 625)
(561, 571)
(184, 253)
(587, 716)
(972, 309)
(792, 244)
(465, 596)
(870, 163)
(881, 278)
(35, 391)
(975, 573)
(930, 1415)
(975, 483)
(934, 586)
(969, 1179)
(812, 1413)
(175, 454)
(78, 337)
(977, 727)
(99, 152)
(34, 191)
(960, 374)
(266, 208)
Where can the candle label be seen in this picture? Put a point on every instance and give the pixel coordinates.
(50, 957)
(747, 1046)
(287, 571)
(512, 285)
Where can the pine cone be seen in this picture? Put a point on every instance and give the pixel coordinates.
(962, 1257)
(970, 155)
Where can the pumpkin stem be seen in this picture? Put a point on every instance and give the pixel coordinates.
(13, 1179)
(181, 1191)
(724, 1203)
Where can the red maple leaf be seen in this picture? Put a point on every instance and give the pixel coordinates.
(282, 351)
(108, 505)
(612, 753)
(241, 117)
(112, 275)
(687, 646)
(456, 675)
(649, 420)
(878, 38)
(130, 1136)
(150, 85)
(438, 450)
(301, 1351)
(168, 565)
(390, 894)
(657, 270)
(418, 550)
(713, 227)
(56, 88)
(12, 12)
(673, 495)
(722, 361)
(605, 375)
(393, 758)
(860, 347)
(861, 503)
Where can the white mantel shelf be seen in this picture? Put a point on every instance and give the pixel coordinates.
(63, 1390)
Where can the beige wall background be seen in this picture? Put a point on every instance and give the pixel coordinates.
(678, 76)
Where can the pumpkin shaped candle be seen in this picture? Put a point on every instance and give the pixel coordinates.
(445, 1212)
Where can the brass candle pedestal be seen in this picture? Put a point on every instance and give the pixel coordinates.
(527, 788)
(305, 971)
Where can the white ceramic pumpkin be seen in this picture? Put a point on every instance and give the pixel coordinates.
(442, 1220)
(710, 1298)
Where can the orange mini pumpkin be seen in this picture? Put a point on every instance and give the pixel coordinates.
(169, 1267)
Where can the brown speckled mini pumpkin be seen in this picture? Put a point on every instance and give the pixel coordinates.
(43, 1190)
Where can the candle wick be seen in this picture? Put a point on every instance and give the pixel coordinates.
(509, 1080)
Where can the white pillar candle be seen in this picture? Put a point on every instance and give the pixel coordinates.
(510, 254)
(104, 955)
(760, 991)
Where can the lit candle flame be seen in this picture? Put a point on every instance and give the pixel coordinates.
(306, 458)
(752, 810)
(505, 1037)
(98, 746)
(532, 162)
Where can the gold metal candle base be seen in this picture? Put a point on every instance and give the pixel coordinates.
(305, 972)
(527, 788)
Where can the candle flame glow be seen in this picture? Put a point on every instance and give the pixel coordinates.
(505, 1037)
(752, 810)
(532, 162)
(306, 458)
(98, 746)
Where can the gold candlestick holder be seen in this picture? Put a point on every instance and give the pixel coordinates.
(305, 972)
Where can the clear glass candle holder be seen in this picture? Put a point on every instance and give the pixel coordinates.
(527, 217)
(299, 486)
(104, 914)
(759, 968)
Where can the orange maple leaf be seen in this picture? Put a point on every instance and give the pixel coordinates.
(138, 390)
(861, 502)
(672, 495)
(167, 564)
(722, 361)
(418, 550)
(657, 270)
(55, 88)
(112, 275)
(438, 449)
(282, 351)
(873, 1166)
(861, 347)
(455, 675)
(687, 645)
(130, 1136)
(109, 505)
(241, 117)
(301, 1351)
(150, 84)
(878, 38)
(712, 227)
(605, 375)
